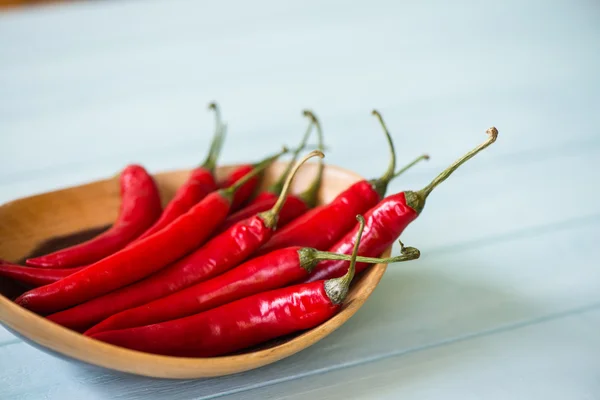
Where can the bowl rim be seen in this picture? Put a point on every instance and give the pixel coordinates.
(64, 341)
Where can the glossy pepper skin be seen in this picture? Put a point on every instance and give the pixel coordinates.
(324, 225)
(33, 276)
(262, 202)
(132, 263)
(243, 193)
(242, 323)
(271, 271)
(142, 258)
(295, 205)
(219, 254)
(387, 220)
(140, 208)
(200, 183)
(233, 326)
(384, 224)
(263, 196)
(292, 208)
(260, 274)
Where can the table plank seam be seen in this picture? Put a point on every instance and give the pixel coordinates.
(399, 353)
(9, 342)
(528, 232)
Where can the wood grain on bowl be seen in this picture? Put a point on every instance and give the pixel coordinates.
(64, 216)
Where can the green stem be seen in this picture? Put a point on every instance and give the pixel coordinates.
(337, 288)
(411, 164)
(380, 184)
(416, 200)
(258, 168)
(277, 187)
(408, 253)
(270, 217)
(310, 258)
(217, 141)
(309, 196)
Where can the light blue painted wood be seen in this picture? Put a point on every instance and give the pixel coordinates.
(506, 294)
(419, 305)
(153, 78)
(473, 367)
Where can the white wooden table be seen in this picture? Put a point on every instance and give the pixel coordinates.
(505, 302)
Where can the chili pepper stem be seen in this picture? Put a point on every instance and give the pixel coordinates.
(217, 141)
(259, 168)
(309, 196)
(277, 187)
(309, 257)
(416, 200)
(380, 184)
(337, 288)
(411, 164)
(270, 217)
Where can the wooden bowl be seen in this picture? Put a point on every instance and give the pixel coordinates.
(53, 220)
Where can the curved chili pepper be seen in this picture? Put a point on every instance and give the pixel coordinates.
(140, 207)
(221, 253)
(33, 276)
(200, 183)
(242, 323)
(271, 271)
(388, 219)
(272, 192)
(322, 226)
(143, 258)
(245, 191)
(267, 198)
(292, 208)
(295, 205)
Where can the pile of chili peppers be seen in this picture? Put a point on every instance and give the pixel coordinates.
(224, 266)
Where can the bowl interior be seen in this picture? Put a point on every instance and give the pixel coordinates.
(50, 221)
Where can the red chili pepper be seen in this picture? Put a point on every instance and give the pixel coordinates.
(266, 199)
(295, 205)
(34, 276)
(241, 324)
(388, 219)
(200, 183)
(245, 191)
(143, 258)
(140, 207)
(292, 208)
(272, 192)
(271, 271)
(221, 253)
(322, 226)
